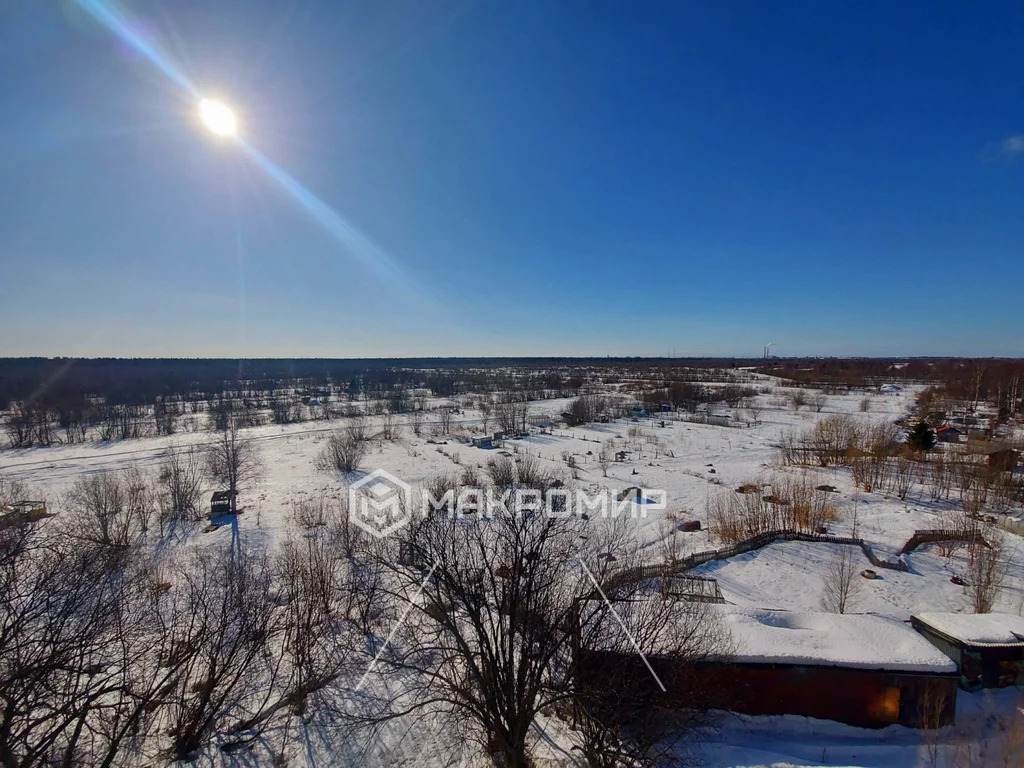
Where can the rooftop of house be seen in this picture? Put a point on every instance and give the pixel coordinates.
(763, 636)
(830, 639)
(977, 627)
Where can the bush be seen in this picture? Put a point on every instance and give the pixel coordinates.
(793, 504)
(345, 450)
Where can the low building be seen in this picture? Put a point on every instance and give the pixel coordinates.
(483, 441)
(987, 648)
(947, 434)
(21, 512)
(865, 670)
(1003, 460)
(221, 503)
(542, 422)
(632, 493)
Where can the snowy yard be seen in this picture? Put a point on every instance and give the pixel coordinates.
(692, 463)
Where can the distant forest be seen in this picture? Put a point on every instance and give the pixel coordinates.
(140, 381)
(143, 381)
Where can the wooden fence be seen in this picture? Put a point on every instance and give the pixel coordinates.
(1011, 525)
(638, 574)
(927, 536)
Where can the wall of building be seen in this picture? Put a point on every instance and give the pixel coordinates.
(866, 698)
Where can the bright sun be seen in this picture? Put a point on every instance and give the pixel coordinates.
(218, 117)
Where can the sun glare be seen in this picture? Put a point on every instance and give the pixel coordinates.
(218, 117)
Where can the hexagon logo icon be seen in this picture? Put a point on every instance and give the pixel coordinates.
(380, 503)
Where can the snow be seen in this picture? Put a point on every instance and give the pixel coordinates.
(775, 591)
(791, 741)
(978, 627)
(790, 575)
(825, 639)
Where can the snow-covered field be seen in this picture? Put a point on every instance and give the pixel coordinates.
(692, 463)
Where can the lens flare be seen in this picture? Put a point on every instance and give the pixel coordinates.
(113, 16)
(218, 117)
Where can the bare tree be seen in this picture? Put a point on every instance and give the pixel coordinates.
(817, 401)
(902, 476)
(941, 478)
(755, 408)
(798, 399)
(389, 429)
(20, 425)
(841, 588)
(512, 416)
(79, 679)
(328, 601)
(222, 621)
(12, 491)
(977, 378)
(51, 612)
(485, 413)
(180, 481)
(605, 456)
(444, 416)
(110, 510)
(234, 460)
(612, 706)
(987, 565)
(491, 640)
(960, 526)
(416, 420)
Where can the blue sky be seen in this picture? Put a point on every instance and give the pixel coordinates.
(584, 177)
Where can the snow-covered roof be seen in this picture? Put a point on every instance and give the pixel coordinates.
(977, 627)
(765, 636)
(831, 639)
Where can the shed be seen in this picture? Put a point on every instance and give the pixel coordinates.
(987, 648)
(1003, 460)
(25, 511)
(222, 503)
(483, 441)
(865, 670)
(947, 434)
(633, 493)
